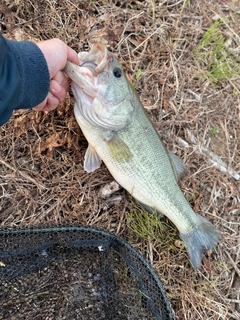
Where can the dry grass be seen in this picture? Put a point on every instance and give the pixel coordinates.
(42, 177)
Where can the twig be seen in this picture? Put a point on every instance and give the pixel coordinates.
(211, 157)
(24, 175)
(234, 264)
(159, 30)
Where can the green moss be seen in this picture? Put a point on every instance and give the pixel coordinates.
(213, 55)
(147, 225)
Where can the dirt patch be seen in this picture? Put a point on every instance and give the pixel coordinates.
(41, 155)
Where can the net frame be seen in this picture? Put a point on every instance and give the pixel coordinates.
(25, 251)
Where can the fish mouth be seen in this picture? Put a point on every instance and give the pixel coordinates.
(91, 67)
(88, 64)
(96, 60)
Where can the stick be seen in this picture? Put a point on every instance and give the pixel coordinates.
(211, 157)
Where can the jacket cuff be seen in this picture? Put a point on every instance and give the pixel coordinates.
(34, 73)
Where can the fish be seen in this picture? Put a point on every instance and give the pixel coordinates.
(120, 133)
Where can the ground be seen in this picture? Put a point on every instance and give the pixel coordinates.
(183, 58)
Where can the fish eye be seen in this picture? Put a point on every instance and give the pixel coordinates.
(117, 72)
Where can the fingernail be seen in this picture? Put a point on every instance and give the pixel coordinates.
(50, 94)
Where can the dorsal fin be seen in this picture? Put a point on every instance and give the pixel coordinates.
(179, 168)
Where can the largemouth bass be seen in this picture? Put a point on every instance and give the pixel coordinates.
(120, 133)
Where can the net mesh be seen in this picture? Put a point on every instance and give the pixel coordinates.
(76, 272)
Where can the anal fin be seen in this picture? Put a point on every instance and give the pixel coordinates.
(150, 210)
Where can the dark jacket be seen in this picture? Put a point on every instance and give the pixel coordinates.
(24, 76)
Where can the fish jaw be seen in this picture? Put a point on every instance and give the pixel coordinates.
(98, 55)
(92, 83)
(83, 77)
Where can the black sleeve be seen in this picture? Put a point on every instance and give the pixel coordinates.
(24, 76)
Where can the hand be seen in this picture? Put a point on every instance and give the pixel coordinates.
(56, 53)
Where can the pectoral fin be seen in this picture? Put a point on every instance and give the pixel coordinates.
(118, 149)
(179, 168)
(92, 161)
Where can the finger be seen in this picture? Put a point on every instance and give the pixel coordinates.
(57, 90)
(52, 103)
(61, 79)
(41, 105)
(48, 104)
(72, 55)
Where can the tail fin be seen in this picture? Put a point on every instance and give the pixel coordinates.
(202, 238)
